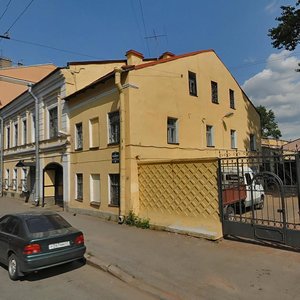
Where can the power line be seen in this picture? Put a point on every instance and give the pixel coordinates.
(7, 6)
(48, 47)
(144, 25)
(20, 15)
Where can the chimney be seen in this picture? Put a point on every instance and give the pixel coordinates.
(5, 62)
(166, 55)
(134, 57)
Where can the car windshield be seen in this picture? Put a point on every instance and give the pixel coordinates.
(46, 223)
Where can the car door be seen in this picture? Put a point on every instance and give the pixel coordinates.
(4, 239)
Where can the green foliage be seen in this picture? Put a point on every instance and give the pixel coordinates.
(269, 127)
(133, 220)
(287, 32)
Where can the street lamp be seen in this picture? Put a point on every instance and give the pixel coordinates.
(29, 84)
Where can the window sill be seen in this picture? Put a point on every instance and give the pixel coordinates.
(210, 146)
(113, 205)
(173, 143)
(193, 95)
(79, 149)
(213, 102)
(113, 144)
(95, 203)
(94, 148)
(79, 199)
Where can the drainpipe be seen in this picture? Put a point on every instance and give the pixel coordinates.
(37, 150)
(1, 156)
(122, 167)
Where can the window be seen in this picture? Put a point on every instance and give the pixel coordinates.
(6, 180)
(79, 186)
(23, 183)
(114, 127)
(8, 137)
(24, 132)
(233, 139)
(33, 128)
(94, 133)
(114, 188)
(53, 123)
(252, 142)
(209, 136)
(14, 180)
(95, 189)
(231, 99)
(78, 139)
(192, 84)
(172, 131)
(16, 134)
(214, 92)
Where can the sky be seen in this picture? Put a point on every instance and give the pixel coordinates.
(76, 30)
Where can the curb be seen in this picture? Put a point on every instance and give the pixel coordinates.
(129, 279)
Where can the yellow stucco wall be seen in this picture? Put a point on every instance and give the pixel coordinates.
(152, 95)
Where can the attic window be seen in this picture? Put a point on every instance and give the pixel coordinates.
(192, 84)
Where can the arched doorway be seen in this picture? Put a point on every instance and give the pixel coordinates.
(53, 184)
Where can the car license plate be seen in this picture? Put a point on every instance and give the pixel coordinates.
(59, 245)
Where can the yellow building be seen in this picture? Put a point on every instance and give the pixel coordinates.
(158, 125)
(41, 112)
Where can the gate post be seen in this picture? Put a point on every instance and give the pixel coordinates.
(297, 157)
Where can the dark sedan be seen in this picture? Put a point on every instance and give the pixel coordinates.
(32, 241)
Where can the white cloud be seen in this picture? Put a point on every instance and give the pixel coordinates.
(272, 7)
(277, 87)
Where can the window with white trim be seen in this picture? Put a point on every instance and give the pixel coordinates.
(33, 121)
(214, 92)
(94, 132)
(192, 84)
(24, 131)
(23, 183)
(114, 189)
(172, 131)
(78, 136)
(233, 139)
(114, 127)
(95, 189)
(6, 180)
(209, 136)
(53, 122)
(16, 134)
(79, 186)
(14, 182)
(231, 99)
(7, 137)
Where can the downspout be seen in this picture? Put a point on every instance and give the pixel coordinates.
(122, 145)
(1, 156)
(37, 144)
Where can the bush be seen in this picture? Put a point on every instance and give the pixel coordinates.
(133, 220)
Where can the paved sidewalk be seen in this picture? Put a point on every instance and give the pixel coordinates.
(173, 266)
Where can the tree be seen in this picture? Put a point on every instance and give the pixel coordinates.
(269, 126)
(287, 33)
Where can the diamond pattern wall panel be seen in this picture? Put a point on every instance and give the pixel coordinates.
(187, 189)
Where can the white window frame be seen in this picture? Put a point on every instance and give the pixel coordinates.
(95, 189)
(113, 137)
(210, 136)
(6, 180)
(78, 146)
(76, 187)
(23, 182)
(50, 108)
(110, 190)
(92, 143)
(33, 125)
(24, 131)
(15, 134)
(233, 141)
(192, 83)
(172, 131)
(8, 136)
(14, 182)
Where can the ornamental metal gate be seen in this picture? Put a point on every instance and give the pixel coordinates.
(259, 198)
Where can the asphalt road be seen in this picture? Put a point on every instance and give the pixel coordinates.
(72, 281)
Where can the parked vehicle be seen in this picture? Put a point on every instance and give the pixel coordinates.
(32, 241)
(241, 190)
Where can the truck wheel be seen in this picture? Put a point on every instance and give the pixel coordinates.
(13, 267)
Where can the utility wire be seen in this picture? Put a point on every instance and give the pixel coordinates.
(20, 15)
(7, 6)
(49, 47)
(144, 25)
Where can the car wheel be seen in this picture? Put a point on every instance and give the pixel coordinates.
(13, 267)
